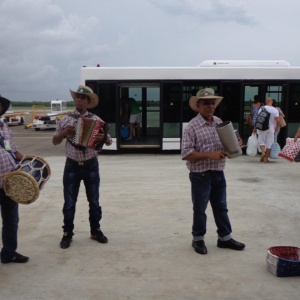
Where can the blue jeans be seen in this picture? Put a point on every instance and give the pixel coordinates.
(73, 175)
(10, 220)
(209, 186)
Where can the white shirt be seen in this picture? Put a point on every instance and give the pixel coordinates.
(273, 114)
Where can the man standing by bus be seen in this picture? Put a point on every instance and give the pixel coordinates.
(205, 156)
(81, 165)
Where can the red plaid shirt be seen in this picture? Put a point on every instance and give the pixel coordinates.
(7, 162)
(200, 136)
(71, 151)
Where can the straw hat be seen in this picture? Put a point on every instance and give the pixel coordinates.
(5, 105)
(205, 94)
(87, 91)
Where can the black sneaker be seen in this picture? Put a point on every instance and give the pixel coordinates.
(199, 247)
(17, 258)
(231, 244)
(99, 236)
(66, 240)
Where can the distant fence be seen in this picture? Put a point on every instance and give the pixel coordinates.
(17, 104)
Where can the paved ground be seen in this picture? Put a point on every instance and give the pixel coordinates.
(147, 218)
(147, 215)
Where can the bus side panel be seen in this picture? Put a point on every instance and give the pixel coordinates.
(107, 106)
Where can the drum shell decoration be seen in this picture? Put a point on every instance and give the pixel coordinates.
(24, 183)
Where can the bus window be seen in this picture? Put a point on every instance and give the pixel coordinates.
(172, 95)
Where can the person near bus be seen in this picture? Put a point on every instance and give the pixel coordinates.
(81, 165)
(135, 118)
(9, 155)
(255, 108)
(297, 135)
(205, 158)
(281, 115)
(266, 137)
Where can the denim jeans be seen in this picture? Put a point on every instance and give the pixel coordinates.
(73, 175)
(209, 186)
(10, 220)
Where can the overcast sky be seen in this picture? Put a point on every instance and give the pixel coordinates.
(44, 43)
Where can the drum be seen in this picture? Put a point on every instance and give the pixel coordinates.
(24, 183)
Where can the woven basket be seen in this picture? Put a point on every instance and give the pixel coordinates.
(283, 261)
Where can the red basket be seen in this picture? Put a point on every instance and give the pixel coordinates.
(283, 261)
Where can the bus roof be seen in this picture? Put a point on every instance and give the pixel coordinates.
(233, 70)
(244, 63)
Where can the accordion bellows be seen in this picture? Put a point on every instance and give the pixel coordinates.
(86, 129)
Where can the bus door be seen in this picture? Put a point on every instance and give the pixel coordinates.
(259, 91)
(145, 132)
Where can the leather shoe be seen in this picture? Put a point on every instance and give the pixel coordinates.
(199, 247)
(99, 236)
(17, 258)
(66, 240)
(231, 244)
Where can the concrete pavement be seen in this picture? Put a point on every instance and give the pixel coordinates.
(147, 216)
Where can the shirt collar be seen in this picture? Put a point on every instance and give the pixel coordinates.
(202, 121)
(78, 113)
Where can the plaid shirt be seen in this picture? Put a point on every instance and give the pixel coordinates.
(200, 136)
(71, 151)
(7, 162)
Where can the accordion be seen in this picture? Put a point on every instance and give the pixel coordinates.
(85, 131)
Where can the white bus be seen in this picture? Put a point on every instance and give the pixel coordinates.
(163, 93)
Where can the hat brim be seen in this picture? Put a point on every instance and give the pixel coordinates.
(93, 97)
(5, 105)
(194, 99)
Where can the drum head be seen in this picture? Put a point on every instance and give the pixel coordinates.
(21, 187)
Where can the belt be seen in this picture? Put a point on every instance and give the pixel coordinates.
(208, 172)
(83, 162)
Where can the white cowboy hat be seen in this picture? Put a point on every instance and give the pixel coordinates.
(5, 105)
(204, 94)
(87, 91)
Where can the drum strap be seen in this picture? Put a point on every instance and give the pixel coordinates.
(78, 116)
(8, 149)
